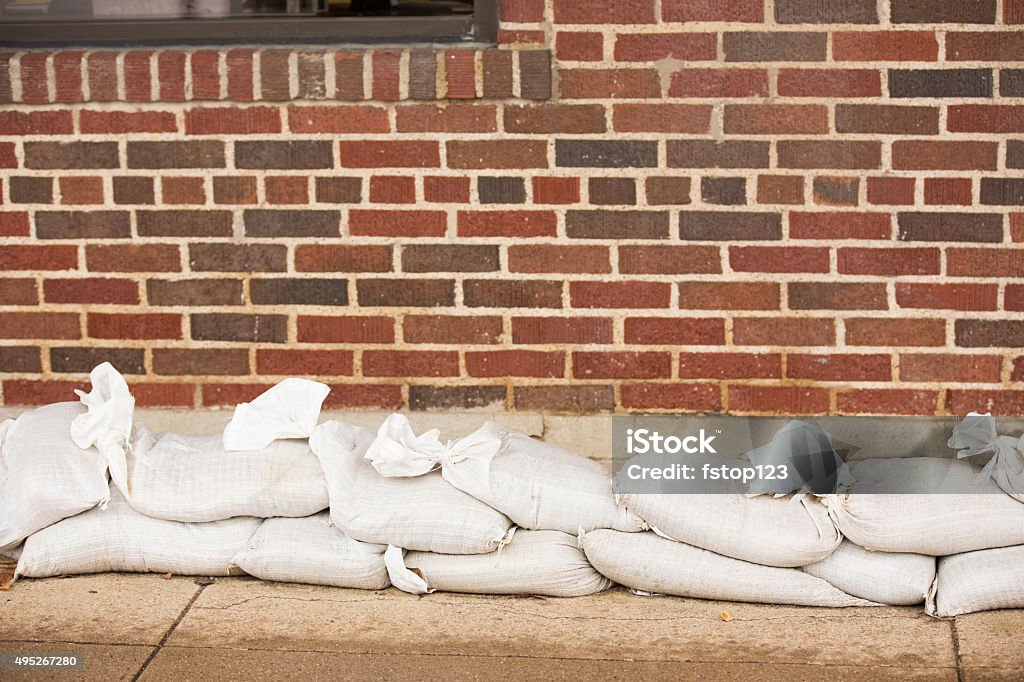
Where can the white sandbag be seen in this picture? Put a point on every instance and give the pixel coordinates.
(978, 581)
(650, 563)
(118, 538)
(883, 577)
(934, 523)
(311, 550)
(976, 435)
(538, 485)
(288, 410)
(541, 562)
(422, 513)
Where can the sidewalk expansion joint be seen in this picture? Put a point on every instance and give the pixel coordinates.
(170, 631)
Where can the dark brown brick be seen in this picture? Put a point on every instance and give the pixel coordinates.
(421, 293)
(501, 190)
(612, 191)
(449, 258)
(302, 223)
(669, 260)
(497, 68)
(989, 333)
(1011, 82)
(783, 331)
(950, 227)
(837, 296)
(291, 155)
(617, 224)
(535, 74)
(192, 154)
(886, 119)
(482, 293)
(239, 327)
(829, 154)
(82, 360)
(71, 155)
(830, 191)
(774, 46)
(20, 360)
(1015, 154)
(819, 12)
(82, 225)
(348, 76)
(561, 330)
(134, 190)
(449, 329)
(200, 361)
(30, 190)
(711, 154)
(183, 223)
(18, 292)
(299, 291)
(668, 191)
(578, 399)
(729, 296)
(274, 72)
(723, 191)
(1002, 191)
(423, 398)
(555, 118)
(606, 153)
(943, 11)
(238, 257)
(422, 74)
(194, 292)
(940, 83)
(339, 190)
(731, 225)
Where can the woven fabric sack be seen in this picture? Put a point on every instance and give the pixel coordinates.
(883, 577)
(978, 581)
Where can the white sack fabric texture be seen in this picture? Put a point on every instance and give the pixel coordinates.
(538, 562)
(650, 563)
(310, 550)
(44, 475)
(119, 538)
(423, 513)
(883, 577)
(194, 478)
(288, 410)
(926, 523)
(979, 581)
(976, 435)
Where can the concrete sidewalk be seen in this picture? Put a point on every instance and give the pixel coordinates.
(151, 628)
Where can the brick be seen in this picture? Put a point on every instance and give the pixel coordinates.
(200, 361)
(934, 83)
(193, 154)
(497, 74)
(669, 260)
(578, 399)
(783, 331)
(886, 119)
(989, 333)
(675, 331)
(284, 223)
(24, 392)
(19, 360)
(620, 294)
(778, 400)
(342, 258)
(386, 363)
(950, 227)
(31, 190)
(712, 154)
(662, 118)
(451, 329)
(454, 118)
(522, 11)
(312, 82)
(581, 46)
(515, 363)
(347, 329)
(729, 225)
(422, 74)
(780, 189)
(184, 223)
(389, 154)
(387, 223)
(730, 365)
(292, 155)
(836, 191)
(838, 83)
(392, 189)
(535, 73)
(1006, 403)
(558, 331)
(723, 191)
(839, 367)
(948, 191)
(206, 75)
(366, 396)
(133, 258)
(947, 296)
(816, 12)
(606, 153)
(336, 190)
(39, 326)
(308, 362)
(240, 74)
(888, 262)
(1014, 297)
(239, 327)
(778, 259)
(719, 83)
(34, 77)
(20, 291)
(887, 401)
(604, 12)
(418, 293)
(729, 296)
(274, 75)
(651, 47)
(446, 190)
(449, 258)
(501, 190)
(483, 293)
(81, 190)
(837, 296)
(286, 189)
(385, 67)
(170, 76)
(947, 367)
(999, 262)
(70, 155)
(324, 292)
(986, 119)
(556, 258)
(1011, 82)
(608, 83)
(7, 158)
(667, 191)
(943, 12)
(605, 224)
(556, 190)
(36, 257)
(660, 396)
(612, 191)
(424, 398)
(232, 120)
(985, 46)
(194, 292)
(234, 190)
(850, 155)
(36, 123)
(750, 11)
(1013, 12)
(944, 155)
(138, 83)
(102, 73)
(176, 190)
(348, 76)
(238, 257)
(885, 46)
(134, 326)
(507, 223)
(555, 118)
(895, 332)
(886, 191)
(226, 395)
(774, 46)
(91, 290)
(621, 365)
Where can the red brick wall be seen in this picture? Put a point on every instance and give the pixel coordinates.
(749, 206)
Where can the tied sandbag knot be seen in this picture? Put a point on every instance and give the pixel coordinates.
(398, 452)
(977, 435)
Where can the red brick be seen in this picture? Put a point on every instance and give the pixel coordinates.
(778, 259)
(1000, 262)
(206, 75)
(1016, 227)
(621, 365)
(120, 122)
(580, 46)
(556, 190)
(342, 258)
(944, 155)
(383, 223)
(507, 224)
(446, 190)
(651, 47)
(750, 11)
(102, 72)
(36, 123)
(539, 258)
(29, 392)
(133, 258)
(389, 154)
(887, 401)
(609, 83)
(835, 225)
(730, 365)
(660, 396)
(182, 190)
(81, 190)
(232, 120)
(39, 326)
(318, 363)
(389, 363)
(460, 74)
(454, 118)
(719, 83)
(522, 11)
(888, 262)
(555, 118)
(987, 46)
(1013, 11)
(947, 296)
(34, 77)
(729, 296)
(783, 331)
(13, 224)
(986, 118)
(895, 332)
(392, 189)
(171, 76)
(35, 257)
(837, 296)
(91, 290)
(227, 395)
(839, 83)
(619, 294)
(883, 191)
(885, 46)
(240, 76)
(482, 293)
(1014, 297)
(764, 119)
(1008, 403)
(150, 394)
(946, 367)
(386, 74)
(839, 367)
(844, 154)
(662, 118)
(479, 154)
(561, 330)
(368, 396)
(138, 86)
(452, 329)
(778, 399)
(510, 37)
(7, 158)
(604, 12)
(286, 189)
(348, 80)
(669, 260)
(339, 119)
(134, 326)
(515, 363)
(675, 331)
(19, 291)
(947, 191)
(780, 189)
(348, 329)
